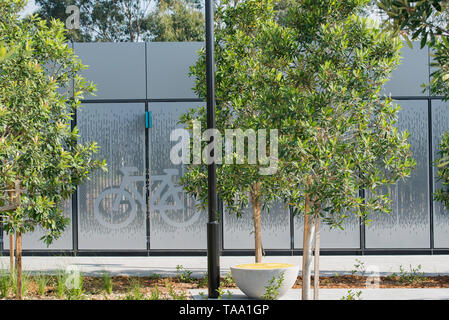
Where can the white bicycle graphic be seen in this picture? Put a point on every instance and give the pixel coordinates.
(117, 207)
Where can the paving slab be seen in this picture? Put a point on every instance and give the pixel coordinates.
(431, 265)
(338, 294)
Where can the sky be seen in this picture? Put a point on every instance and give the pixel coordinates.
(30, 8)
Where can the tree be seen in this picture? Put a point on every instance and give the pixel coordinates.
(338, 133)
(428, 21)
(130, 20)
(10, 204)
(177, 20)
(281, 7)
(442, 164)
(241, 67)
(104, 20)
(39, 152)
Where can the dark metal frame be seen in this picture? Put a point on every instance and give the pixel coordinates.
(74, 207)
(228, 252)
(430, 173)
(213, 227)
(147, 180)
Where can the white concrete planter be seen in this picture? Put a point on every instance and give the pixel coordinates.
(253, 279)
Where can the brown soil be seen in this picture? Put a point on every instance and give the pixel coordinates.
(354, 281)
(175, 288)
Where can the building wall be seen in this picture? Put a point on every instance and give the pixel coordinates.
(136, 78)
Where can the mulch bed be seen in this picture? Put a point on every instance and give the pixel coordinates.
(355, 281)
(175, 288)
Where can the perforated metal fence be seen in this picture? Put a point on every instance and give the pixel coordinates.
(118, 212)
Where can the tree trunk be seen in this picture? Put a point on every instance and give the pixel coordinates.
(11, 253)
(14, 200)
(316, 256)
(256, 204)
(19, 264)
(309, 230)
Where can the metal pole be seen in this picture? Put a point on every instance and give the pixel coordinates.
(213, 255)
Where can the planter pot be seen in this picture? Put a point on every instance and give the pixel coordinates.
(253, 279)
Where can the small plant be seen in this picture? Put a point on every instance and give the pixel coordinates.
(228, 280)
(107, 283)
(272, 290)
(415, 275)
(134, 292)
(6, 283)
(391, 277)
(42, 281)
(184, 275)
(60, 287)
(155, 294)
(76, 292)
(221, 293)
(202, 282)
(359, 267)
(154, 276)
(202, 295)
(352, 295)
(174, 295)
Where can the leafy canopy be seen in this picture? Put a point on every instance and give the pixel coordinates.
(38, 147)
(240, 71)
(317, 78)
(177, 20)
(338, 131)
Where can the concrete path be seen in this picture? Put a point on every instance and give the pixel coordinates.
(329, 265)
(337, 294)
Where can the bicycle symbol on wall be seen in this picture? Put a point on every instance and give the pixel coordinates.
(117, 207)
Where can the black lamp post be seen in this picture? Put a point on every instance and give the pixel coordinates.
(213, 257)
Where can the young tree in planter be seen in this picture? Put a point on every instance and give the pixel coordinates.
(338, 133)
(38, 149)
(248, 175)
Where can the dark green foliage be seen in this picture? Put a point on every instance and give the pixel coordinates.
(339, 133)
(38, 147)
(177, 20)
(130, 20)
(428, 23)
(316, 77)
(442, 166)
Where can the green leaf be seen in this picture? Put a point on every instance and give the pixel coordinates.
(409, 43)
(423, 40)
